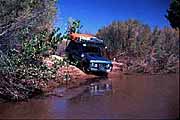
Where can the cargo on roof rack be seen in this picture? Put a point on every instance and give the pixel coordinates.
(85, 38)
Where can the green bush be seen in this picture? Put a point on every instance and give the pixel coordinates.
(19, 66)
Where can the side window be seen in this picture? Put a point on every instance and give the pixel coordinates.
(70, 46)
(79, 47)
(74, 46)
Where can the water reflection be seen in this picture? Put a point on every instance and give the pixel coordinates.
(103, 87)
(120, 97)
(99, 88)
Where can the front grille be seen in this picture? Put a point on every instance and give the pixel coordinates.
(102, 66)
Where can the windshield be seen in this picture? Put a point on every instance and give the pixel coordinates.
(96, 39)
(92, 50)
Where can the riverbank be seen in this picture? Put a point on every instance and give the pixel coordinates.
(78, 79)
(148, 65)
(70, 78)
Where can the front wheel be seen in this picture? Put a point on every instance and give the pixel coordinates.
(84, 67)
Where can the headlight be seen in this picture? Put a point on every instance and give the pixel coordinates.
(108, 65)
(95, 65)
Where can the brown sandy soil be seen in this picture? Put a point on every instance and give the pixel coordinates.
(76, 78)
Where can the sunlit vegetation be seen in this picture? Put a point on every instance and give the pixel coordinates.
(26, 38)
(154, 50)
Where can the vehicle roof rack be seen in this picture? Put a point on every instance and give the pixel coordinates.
(85, 38)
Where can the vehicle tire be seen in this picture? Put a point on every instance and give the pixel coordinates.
(84, 67)
(85, 70)
(70, 59)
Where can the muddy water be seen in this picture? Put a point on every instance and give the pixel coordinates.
(120, 96)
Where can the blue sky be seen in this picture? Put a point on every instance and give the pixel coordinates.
(95, 14)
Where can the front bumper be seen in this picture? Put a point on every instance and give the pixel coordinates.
(100, 69)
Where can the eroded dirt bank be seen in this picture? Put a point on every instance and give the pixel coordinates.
(73, 77)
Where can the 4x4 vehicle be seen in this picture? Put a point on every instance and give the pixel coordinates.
(87, 51)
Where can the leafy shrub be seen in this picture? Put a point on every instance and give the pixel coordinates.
(136, 40)
(20, 66)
